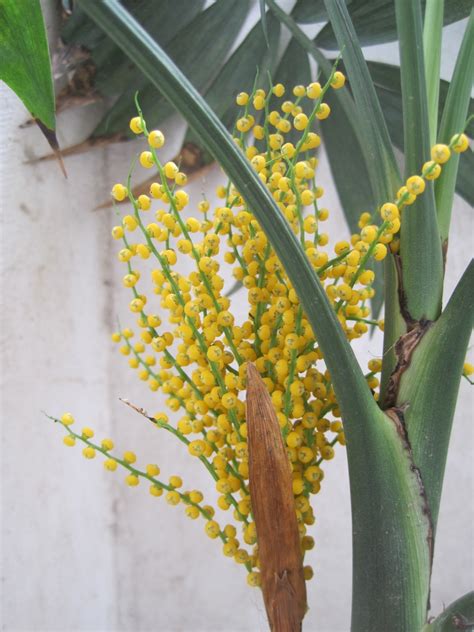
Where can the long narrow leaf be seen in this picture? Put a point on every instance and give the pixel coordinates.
(349, 381)
(420, 246)
(263, 20)
(391, 529)
(454, 116)
(162, 20)
(430, 385)
(25, 65)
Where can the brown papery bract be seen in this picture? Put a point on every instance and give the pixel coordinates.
(270, 479)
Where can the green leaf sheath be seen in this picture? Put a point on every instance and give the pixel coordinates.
(391, 532)
(420, 246)
(394, 326)
(432, 33)
(459, 615)
(25, 64)
(353, 393)
(430, 384)
(453, 120)
(375, 22)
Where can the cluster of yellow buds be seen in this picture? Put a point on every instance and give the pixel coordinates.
(189, 344)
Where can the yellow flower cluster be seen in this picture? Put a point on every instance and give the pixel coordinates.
(189, 344)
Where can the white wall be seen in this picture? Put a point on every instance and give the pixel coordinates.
(80, 551)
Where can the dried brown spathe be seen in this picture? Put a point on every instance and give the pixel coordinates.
(271, 494)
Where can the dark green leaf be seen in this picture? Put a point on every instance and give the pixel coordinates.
(464, 184)
(25, 65)
(375, 22)
(420, 246)
(351, 175)
(208, 37)
(387, 77)
(80, 30)
(352, 181)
